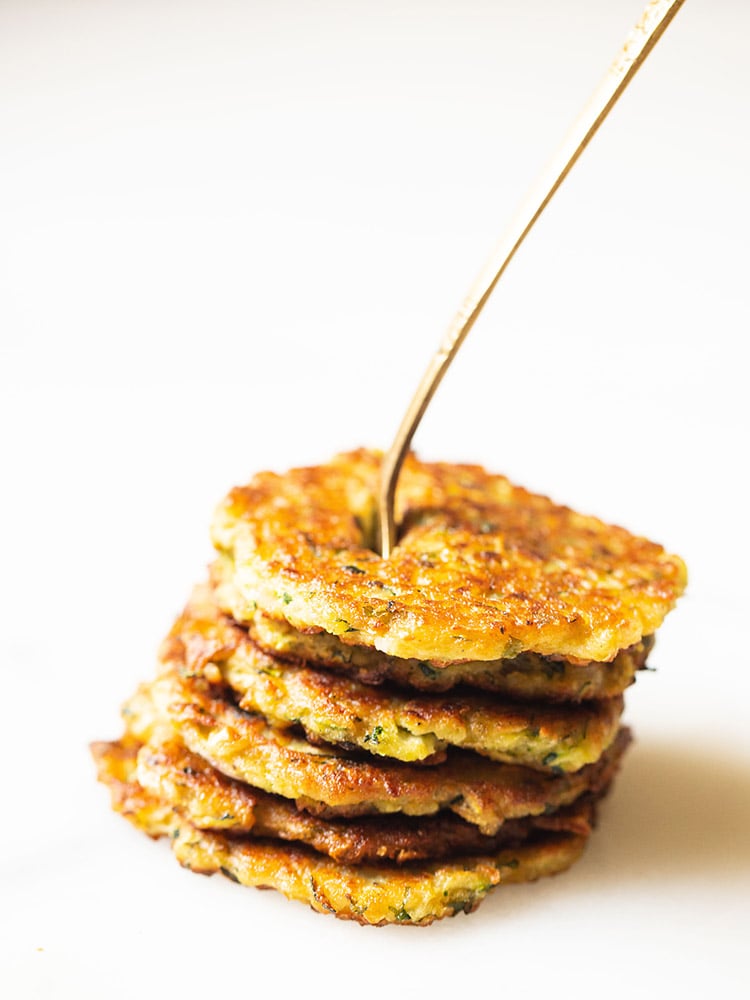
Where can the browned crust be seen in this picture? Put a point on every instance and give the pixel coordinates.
(410, 895)
(527, 676)
(483, 569)
(137, 776)
(243, 747)
(187, 783)
(383, 721)
(378, 893)
(115, 767)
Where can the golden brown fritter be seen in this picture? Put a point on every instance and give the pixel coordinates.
(179, 778)
(184, 782)
(527, 676)
(415, 894)
(326, 781)
(115, 767)
(384, 722)
(483, 569)
(374, 894)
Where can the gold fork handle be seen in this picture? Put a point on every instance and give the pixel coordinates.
(652, 24)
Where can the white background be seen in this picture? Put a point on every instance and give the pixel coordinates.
(232, 235)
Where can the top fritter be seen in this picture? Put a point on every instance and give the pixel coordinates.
(483, 569)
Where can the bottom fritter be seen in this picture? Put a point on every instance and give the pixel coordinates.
(376, 870)
(373, 895)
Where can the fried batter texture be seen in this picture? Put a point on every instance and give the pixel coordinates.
(527, 676)
(482, 570)
(137, 774)
(326, 781)
(374, 895)
(416, 893)
(383, 722)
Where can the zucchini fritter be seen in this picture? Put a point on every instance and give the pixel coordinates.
(115, 767)
(384, 722)
(182, 781)
(483, 569)
(416, 893)
(527, 676)
(327, 781)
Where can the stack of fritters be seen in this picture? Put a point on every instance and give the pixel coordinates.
(389, 739)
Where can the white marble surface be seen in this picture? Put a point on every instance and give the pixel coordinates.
(232, 235)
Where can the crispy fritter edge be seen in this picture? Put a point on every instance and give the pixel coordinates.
(414, 894)
(384, 722)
